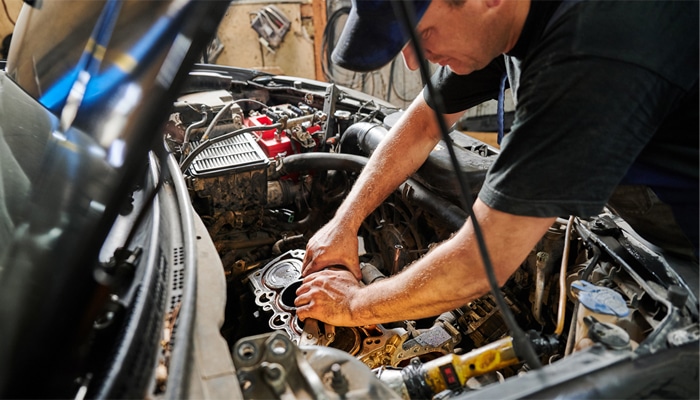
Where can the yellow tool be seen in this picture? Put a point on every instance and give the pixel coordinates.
(452, 371)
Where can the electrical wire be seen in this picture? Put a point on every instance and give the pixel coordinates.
(406, 93)
(355, 80)
(328, 40)
(203, 145)
(213, 123)
(7, 13)
(216, 119)
(521, 343)
(197, 124)
(391, 80)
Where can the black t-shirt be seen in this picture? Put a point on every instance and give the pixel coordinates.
(607, 92)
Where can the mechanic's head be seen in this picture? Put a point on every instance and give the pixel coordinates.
(462, 34)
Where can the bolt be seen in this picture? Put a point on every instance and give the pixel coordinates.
(339, 382)
(272, 371)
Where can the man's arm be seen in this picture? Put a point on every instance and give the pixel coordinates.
(398, 156)
(446, 278)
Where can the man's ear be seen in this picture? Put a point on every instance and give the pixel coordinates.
(410, 59)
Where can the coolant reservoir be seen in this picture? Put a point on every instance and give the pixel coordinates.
(603, 304)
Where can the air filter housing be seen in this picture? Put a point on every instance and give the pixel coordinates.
(231, 176)
(240, 153)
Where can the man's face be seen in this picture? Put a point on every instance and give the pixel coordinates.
(464, 37)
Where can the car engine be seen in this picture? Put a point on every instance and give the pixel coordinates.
(268, 160)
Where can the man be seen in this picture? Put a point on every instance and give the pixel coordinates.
(606, 108)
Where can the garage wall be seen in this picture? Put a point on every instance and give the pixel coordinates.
(8, 13)
(301, 53)
(394, 82)
(242, 47)
(304, 51)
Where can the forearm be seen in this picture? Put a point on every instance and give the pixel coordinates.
(452, 274)
(432, 285)
(398, 156)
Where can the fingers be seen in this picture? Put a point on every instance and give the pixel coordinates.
(355, 270)
(303, 307)
(325, 296)
(304, 301)
(305, 311)
(313, 267)
(312, 264)
(331, 246)
(308, 265)
(302, 296)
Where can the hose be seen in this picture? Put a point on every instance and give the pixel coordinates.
(415, 193)
(216, 119)
(562, 278)
(197, 124)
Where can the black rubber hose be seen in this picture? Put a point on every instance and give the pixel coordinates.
(362, 138)
(413, 192)
(437, 174)
(323, 161)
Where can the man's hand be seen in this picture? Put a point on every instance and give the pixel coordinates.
(327, 296)
(447, 277)
(334, 244)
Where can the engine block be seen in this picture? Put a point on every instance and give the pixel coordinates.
(274, 287)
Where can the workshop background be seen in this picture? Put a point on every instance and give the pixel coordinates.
(296, 38)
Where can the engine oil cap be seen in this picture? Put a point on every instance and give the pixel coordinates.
(600, 299)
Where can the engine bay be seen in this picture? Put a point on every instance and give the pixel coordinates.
(267, 161)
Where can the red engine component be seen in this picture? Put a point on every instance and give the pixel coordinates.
(274, 142)
(271, 141)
